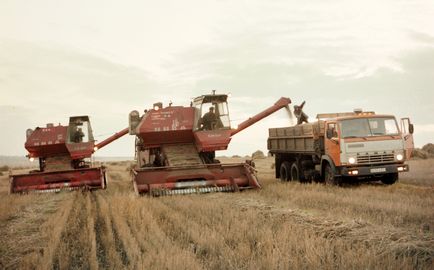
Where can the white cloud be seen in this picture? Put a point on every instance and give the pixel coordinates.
(59, 58)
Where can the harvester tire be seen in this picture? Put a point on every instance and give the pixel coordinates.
(285, 171)
(329, 176)
(389, 179)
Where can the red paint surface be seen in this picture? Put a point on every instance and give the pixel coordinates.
(212, 140)
(213, 174)
(88, 177)
(167, 125)
(47, 141)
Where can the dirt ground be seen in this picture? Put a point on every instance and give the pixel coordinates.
(282, 226)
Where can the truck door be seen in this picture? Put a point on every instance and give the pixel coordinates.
(407, 130)
(332, 143)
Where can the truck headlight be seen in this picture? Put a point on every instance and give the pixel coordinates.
(351, 160)
(399, 157)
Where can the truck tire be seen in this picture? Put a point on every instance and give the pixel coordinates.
(389, 179)
(329, 176)
(296, 173)
(285, 171)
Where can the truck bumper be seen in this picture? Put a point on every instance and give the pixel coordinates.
(372, 170)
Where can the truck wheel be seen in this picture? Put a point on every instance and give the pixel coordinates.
(329, 176)
(296, 173)
(285, 171)
(389, 179)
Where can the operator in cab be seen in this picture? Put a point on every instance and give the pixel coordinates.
(209, 120)
(299, 114)
(78, 136)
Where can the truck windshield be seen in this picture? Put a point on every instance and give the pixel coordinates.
(366, 127)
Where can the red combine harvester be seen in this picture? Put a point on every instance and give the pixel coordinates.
(175, 148)
(62, 152)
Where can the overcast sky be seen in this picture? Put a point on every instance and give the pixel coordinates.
(105, 58)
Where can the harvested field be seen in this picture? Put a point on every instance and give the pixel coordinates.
(282, 226)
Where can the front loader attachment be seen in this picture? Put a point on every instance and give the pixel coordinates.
(202, 178)
(85, 178)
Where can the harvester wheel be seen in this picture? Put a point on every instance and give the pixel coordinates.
(389, 179)
(285, 171)
(295, 173)
(329, 176)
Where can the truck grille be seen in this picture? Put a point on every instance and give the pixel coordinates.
(375, 158)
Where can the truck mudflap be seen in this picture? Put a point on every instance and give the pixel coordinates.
(204, 178)
(373, 170)
(85, 178)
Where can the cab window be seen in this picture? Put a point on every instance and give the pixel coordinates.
(332, 131)
(212, 116)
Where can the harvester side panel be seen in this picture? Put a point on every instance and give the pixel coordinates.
(167, 125)
(212, 140)
(47, 141)
(80, 150)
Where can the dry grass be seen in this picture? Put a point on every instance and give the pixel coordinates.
(421, 173)
(284, 225)
(35, 222)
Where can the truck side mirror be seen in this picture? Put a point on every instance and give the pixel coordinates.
(411, 128)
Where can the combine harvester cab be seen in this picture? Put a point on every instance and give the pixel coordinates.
(64, 158)
(175, 148)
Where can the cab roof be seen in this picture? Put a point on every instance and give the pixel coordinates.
(211, 98)
(350, 115)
